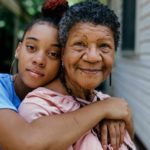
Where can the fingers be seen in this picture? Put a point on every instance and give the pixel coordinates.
(129, 123)
(116, 130)
(104, 135)
(118, 135)
(113, 134)
(122, 131)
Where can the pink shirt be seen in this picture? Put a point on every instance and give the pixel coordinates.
(45, 102)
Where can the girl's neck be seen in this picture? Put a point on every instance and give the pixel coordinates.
(21, 89)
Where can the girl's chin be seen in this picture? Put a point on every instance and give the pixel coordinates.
(33, 86)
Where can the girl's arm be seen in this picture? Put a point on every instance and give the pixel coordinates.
(57, 131)
(50, 132)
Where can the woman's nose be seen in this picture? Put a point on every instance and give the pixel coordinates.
(92, 55)
(39, 59)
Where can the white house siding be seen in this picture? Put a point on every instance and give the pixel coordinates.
(131, 74)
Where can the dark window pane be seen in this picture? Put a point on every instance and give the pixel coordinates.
(128, 27)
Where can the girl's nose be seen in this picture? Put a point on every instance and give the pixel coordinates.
(39, 59)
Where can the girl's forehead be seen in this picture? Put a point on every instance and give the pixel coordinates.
(41, 26)
(41, 30)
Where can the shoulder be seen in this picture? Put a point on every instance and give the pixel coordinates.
(47, 97)
(5, 81)
(101, 95)
(4, 77)
(42, 91)
(8, 97)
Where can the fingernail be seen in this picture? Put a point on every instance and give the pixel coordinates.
(104, 147)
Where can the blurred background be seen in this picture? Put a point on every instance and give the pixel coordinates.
(131, 73)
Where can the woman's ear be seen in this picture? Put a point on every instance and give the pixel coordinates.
(62, 51)
(62, 54)
(18, 49)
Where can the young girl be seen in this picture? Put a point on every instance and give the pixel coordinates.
(89, 40)
(38, 57)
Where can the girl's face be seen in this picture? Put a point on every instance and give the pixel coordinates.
(39, 55)
(89, 55)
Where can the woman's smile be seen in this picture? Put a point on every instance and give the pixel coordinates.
(90, 71)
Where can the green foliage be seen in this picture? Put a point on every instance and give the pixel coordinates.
(6, 20)
(71, 2)
(32, 7)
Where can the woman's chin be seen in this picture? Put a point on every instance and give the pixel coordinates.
(90, 85)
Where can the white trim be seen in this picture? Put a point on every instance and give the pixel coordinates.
(12, 5)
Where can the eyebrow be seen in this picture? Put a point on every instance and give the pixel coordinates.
(57, 45)
(77, 35)
(32, 38)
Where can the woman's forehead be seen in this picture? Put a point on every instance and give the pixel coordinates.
(89, 29)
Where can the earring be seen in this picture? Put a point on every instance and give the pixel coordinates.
(62, 68)
(110, 79)
(13, 67)
(62, 64)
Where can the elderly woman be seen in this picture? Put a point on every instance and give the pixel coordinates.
(89, 34)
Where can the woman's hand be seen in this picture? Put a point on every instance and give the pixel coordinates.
(112, 132)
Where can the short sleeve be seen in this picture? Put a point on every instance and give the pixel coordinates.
(6, 95)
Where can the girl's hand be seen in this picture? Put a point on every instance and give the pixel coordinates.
(116, 109)
(112, 132)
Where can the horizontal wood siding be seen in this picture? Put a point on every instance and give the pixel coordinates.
(131, 75)
(131, 80)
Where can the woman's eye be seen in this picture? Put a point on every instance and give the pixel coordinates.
(104, 45)
(79, 46)
(104, 48)
(80, 43)
(54, 54)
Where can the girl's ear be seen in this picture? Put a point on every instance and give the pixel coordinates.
(18, 49)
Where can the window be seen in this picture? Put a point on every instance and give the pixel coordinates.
(128, 25)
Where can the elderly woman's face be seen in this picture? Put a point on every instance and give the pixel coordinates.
(89, 55)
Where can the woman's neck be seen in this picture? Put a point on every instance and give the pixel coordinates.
(76, 91)
(57, 86)
(21, 89)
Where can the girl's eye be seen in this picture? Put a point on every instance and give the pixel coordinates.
(30, 48)
(54, 54)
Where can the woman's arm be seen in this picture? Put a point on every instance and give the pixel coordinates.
(130, 125)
